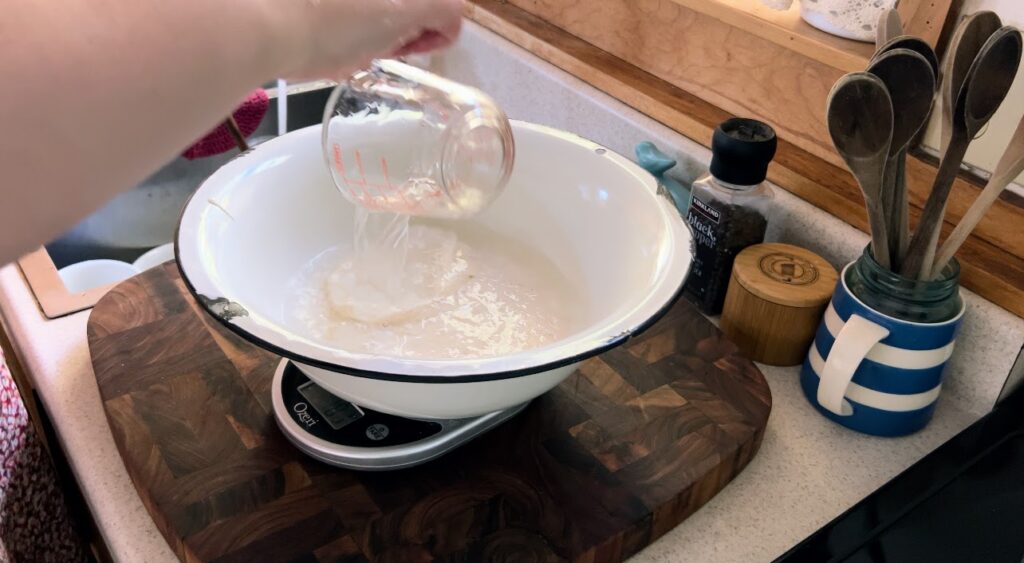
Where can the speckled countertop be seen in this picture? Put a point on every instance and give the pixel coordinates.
(808, 469)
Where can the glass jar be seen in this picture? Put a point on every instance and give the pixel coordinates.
(400, 139)
(729, 207)
(726, 218)
(906, 299)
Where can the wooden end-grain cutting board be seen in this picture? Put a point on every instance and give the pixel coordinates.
(621, 452)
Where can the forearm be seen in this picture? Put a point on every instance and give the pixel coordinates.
(173, 70)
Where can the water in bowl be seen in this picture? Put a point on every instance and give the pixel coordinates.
(433, 290)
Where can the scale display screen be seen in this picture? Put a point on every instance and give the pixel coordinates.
(319, 413)
(338, 412)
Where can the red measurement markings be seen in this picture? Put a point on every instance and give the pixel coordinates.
(371, 198)
(359, 166)
(387, 181)
(384, 169)
(362, 181)
(339, 164)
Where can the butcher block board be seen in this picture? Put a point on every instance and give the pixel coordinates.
(621, 452)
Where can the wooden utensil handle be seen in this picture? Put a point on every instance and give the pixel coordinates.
(922, 246)
(891, 211)
(879, 235)
(1010, 166)
(970, 220)
(236, 133)
(902, 206)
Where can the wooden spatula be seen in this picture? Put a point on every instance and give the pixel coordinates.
(987, 83)
(889, 27)
(1010, 166)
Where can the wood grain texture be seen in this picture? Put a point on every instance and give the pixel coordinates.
(787, 29)
(930, 20)
(54, 298)
(727, 66)
(926, 19)
(695, 46)
(777, 295)
(785, 274)
(992, 259)
(625, 449)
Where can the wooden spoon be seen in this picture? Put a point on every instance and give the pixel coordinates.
(987, 83)
(236, 133)
(898, 212)
(968, 39)
(916, 44)
(911, 83)
(889, 26)
(1010, 166)
(860, 120)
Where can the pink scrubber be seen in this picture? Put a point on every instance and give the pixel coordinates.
(248, 116)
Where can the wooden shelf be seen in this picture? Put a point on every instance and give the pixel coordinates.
(927, 19)
(786, 29)
(993, 258)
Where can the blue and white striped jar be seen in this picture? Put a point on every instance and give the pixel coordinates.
(873, 372)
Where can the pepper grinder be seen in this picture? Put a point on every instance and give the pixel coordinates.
(729, 207)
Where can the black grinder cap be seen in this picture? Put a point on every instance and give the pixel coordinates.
(741, 150)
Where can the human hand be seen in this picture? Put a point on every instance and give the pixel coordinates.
(333, 38)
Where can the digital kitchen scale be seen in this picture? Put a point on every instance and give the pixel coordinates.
(343, 434)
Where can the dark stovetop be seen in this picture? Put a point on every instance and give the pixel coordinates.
(962, 502)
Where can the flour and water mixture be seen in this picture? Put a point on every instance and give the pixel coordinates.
(433, 290)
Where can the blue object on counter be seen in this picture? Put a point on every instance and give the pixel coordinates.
(875, 373)
(658, 163)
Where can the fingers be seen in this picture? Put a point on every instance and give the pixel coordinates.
(428, 41)
(342, 35)
(431, 24)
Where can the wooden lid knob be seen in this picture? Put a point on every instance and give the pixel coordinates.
(777, 295)
(785, 274)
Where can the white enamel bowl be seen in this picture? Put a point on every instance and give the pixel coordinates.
(258, 220)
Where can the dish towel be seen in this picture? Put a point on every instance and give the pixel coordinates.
(34, 522)
(248, 115)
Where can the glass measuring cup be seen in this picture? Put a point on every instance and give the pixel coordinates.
(400, 139)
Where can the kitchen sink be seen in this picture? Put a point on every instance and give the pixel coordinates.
(146, 216)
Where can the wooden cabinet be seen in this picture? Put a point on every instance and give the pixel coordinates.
(715, 59)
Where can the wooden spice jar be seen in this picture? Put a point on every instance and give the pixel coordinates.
(777, 295)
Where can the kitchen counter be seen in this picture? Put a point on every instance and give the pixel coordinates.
(56, 356)
(808, 471)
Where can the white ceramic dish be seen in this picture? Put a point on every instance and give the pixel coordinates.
(261, 217)
(850, 19)
(155, 257)
(83, 276)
